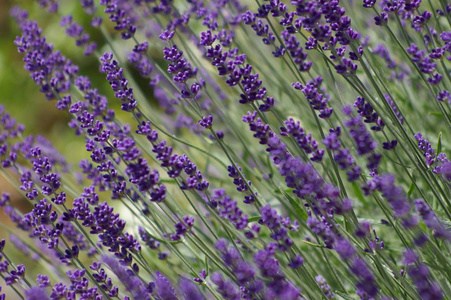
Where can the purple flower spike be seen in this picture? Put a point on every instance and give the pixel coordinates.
(277, 286)
(296, 262)
(124, 21)
(36, 293)
(167, 35)
(239, 182)
(317, 97)
(344, 249)
(420, 274)
(118, 82)
(245, 272)
(75, 31)
(189, 290)
(390, 145)
(278, 225)
(228, 209)
(431, 220)
(444, 96)
(426, 148)
(225, 287)
(131, 282)
(305, 141)
(366, 286)
(206, 122)
(50, 5)
(394, 195)
(164, 288)
(364, 142)
(369, 3)
(445, 170)
(182, 228)
(49, 69)
(325, 288)
(15, 275)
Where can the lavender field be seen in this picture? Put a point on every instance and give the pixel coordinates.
(227, 149)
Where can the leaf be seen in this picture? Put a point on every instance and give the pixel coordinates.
(207, 267)
(312, 244)
(358, 193)
(411, 188)
(439, 144)
(295, 205)
(172, 181)
(344, 295)
(254, 219)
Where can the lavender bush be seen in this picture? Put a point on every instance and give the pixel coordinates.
(260, 150)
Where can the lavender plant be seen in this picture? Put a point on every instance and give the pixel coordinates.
(235, 149)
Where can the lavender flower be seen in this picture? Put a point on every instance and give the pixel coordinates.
(305, 141)
(277, 285)
(228, 209)
(225, 287)
(35, 293)
(244, 272)
(124, 23)
(420, 272)
(75, 31)
(431, 220)
(182, 228)
(394, 195)
(317, 98)
(366, 111)
(365, 144)
(324, 287)
(189, 290)
(426, 148)
(118, 82)
(163, 288)
(132, 283)
(278, 225)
